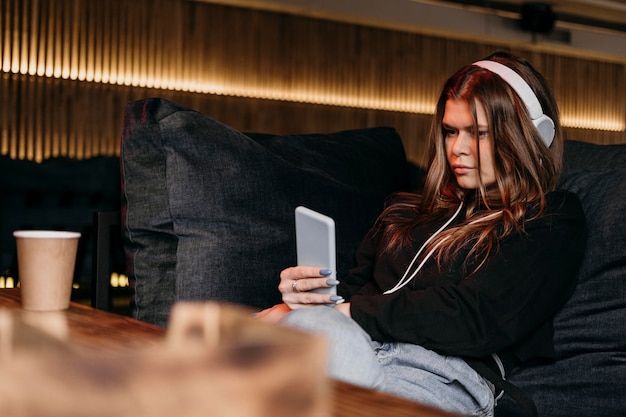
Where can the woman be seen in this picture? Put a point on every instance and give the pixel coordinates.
(475, 267)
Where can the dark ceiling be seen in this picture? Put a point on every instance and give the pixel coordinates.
(606, 14)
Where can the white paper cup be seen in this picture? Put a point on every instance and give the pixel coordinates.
(46, 261)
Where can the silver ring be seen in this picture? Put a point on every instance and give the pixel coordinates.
(294, 286)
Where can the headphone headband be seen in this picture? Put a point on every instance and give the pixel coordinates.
(543, 123)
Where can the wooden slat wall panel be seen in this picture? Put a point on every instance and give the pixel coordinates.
(69, 66)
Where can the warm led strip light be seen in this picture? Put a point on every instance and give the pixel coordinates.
(373, 103)
(296, 96)
(113, 43)
(593, 124)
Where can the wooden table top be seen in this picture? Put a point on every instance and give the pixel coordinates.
(99, 329)
(96, 328)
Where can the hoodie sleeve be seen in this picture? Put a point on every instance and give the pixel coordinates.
(516, 292)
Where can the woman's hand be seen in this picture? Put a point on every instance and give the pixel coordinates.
(344, 309)
(273, 314)
(297, 280)
(277, 312)
(294, 284)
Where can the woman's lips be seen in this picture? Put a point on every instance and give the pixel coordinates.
(461, 169)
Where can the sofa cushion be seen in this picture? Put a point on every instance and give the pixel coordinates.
(591, 157)
(589, 379)
(208, 211)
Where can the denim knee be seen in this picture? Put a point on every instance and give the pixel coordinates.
(351, 355)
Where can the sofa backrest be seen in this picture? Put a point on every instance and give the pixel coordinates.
(589, 379)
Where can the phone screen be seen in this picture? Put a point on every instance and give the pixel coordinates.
(315, 243)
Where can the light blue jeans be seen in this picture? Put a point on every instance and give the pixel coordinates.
(401, 369)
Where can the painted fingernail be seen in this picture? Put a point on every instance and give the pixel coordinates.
(340, 301)
(325, 272)
(332, 282)
(335, 298)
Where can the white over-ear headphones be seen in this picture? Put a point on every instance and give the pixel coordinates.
(543, 123)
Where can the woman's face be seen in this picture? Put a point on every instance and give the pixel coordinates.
(462, 148)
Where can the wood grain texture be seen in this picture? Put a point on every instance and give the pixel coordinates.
(106, 332)
(245, 368)
(70, 66)
(91, 328)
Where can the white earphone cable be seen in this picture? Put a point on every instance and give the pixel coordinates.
(405, 278)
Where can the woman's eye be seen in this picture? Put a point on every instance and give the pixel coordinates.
(449, 132)
(483, 133)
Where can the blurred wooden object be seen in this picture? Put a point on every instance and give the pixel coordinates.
(216, 361)
(94, 353)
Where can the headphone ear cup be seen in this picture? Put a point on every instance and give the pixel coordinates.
(545, 126)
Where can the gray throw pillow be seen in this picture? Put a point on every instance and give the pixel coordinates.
(208, 211)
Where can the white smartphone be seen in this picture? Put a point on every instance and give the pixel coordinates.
(315, 243)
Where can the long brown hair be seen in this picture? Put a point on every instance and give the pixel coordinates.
(526, 169)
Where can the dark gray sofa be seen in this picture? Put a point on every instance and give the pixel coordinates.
(589, 379)
(207, 213)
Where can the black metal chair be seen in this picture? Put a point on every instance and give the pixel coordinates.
(106, 227)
